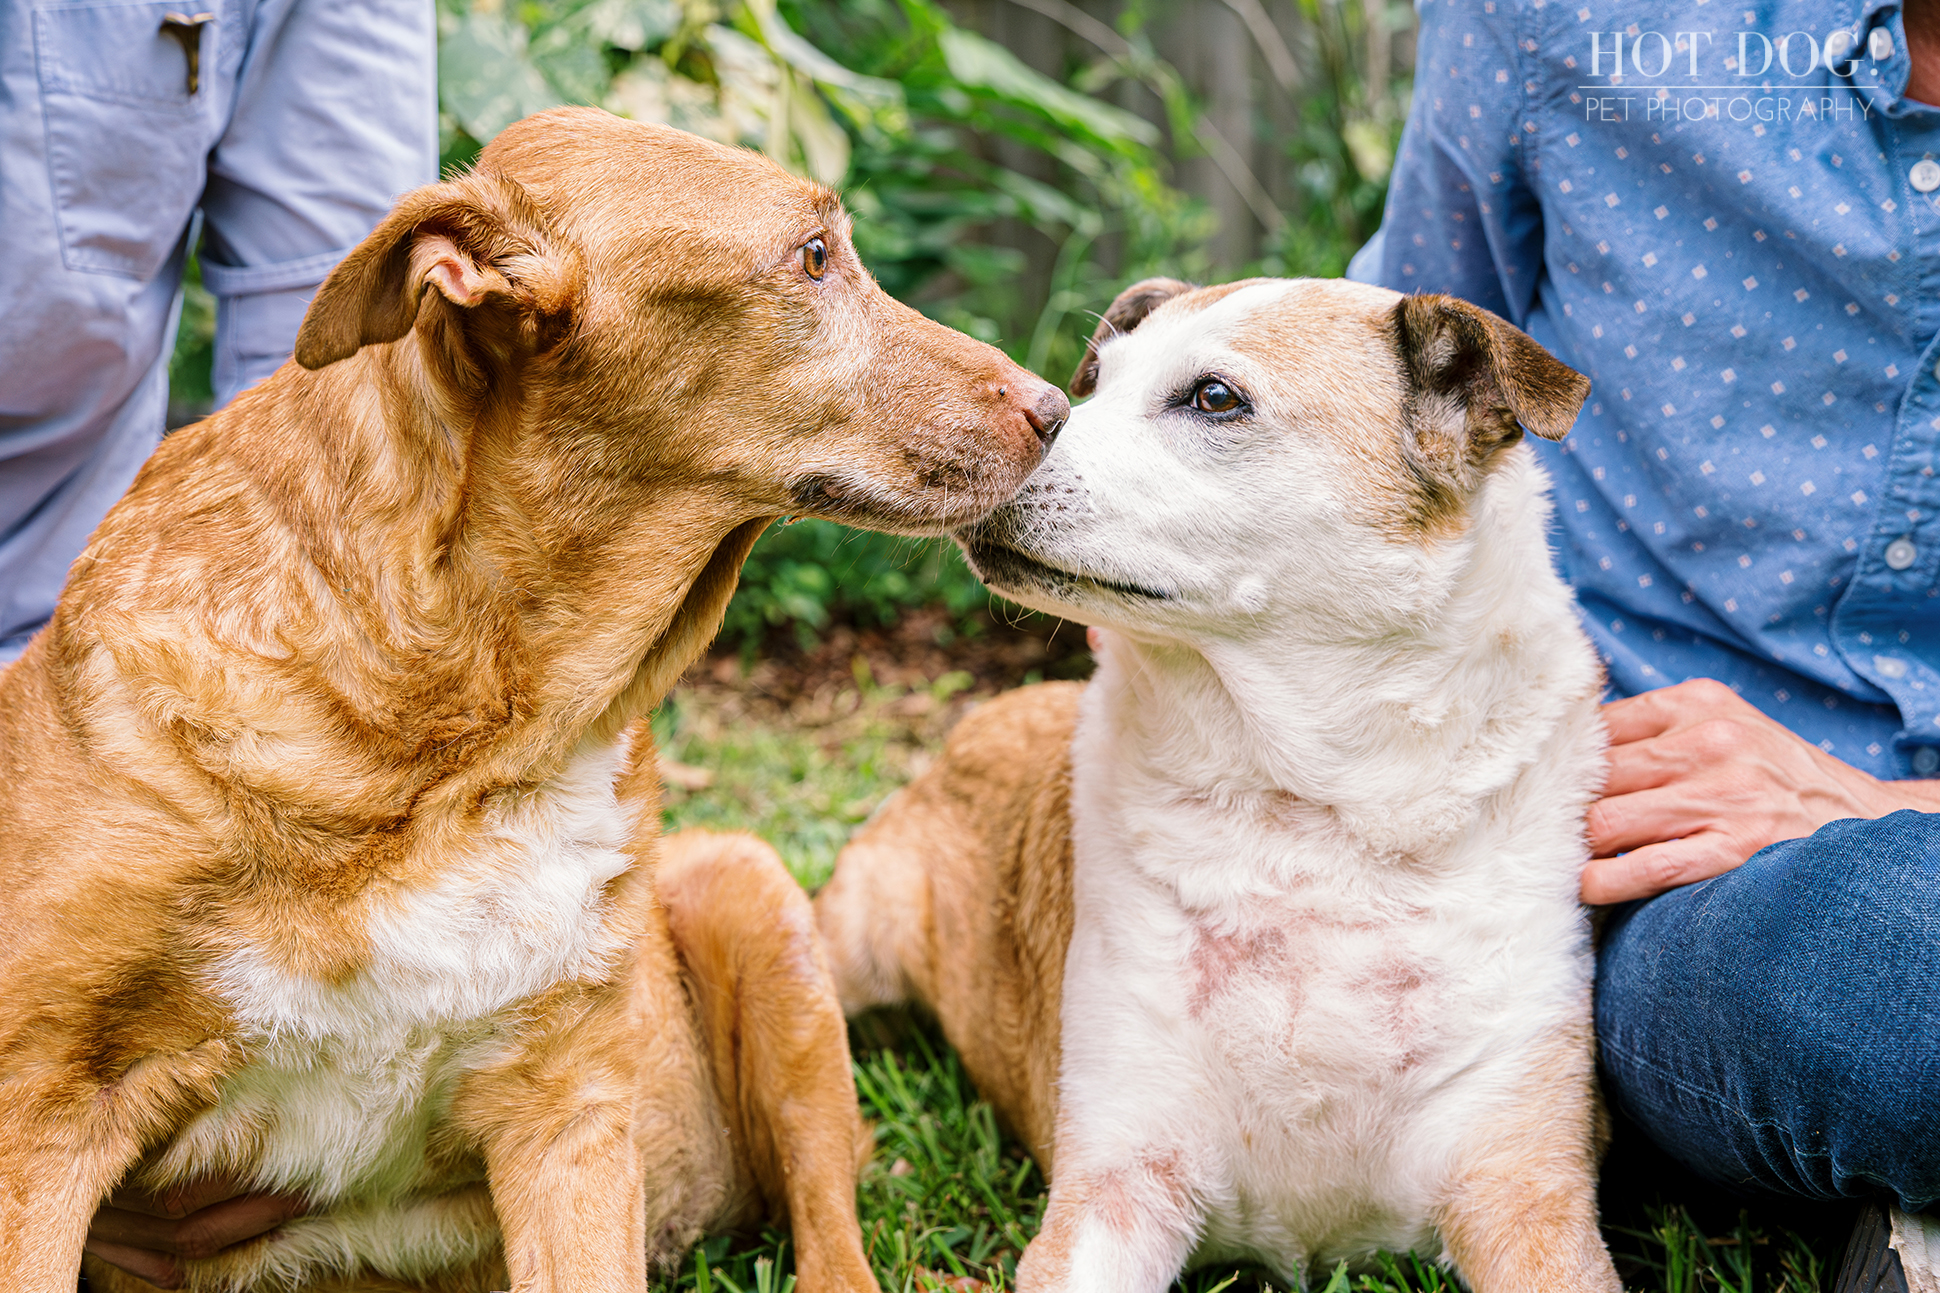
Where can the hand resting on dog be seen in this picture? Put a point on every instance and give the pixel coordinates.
(144, 1234)
(1700, 780)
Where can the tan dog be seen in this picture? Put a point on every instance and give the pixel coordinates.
(328, 831)
(1267, 939)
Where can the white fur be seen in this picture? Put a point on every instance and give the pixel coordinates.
(347, 1079)
(1326, 808)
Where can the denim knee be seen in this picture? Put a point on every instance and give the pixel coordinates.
(1777, 1027)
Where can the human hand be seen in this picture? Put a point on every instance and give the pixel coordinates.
(1700, 780)
(150, 1235)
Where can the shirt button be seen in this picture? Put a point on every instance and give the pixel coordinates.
(1926, 761)
(1925, 175)
(1900, 554)
(1880, 44)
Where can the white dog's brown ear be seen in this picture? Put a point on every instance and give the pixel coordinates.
(1452, 350)
(479, 240)
(1475, 384)
(1124, 314)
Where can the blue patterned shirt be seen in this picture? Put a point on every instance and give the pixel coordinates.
(1728, 215)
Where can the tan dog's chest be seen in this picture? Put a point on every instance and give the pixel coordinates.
(347, 1080)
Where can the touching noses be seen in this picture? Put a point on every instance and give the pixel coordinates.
(1043, 405)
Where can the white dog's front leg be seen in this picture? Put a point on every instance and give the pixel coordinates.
(1126, 1229)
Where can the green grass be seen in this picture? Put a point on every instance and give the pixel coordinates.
(947, 1194)
(806, 779)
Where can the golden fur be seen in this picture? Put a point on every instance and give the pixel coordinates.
(380, 601)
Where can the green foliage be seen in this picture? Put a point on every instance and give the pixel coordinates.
(945, 1191)
(806, 784)
(804, 576)
(1678, 1257)
(191, 387)
(1081, 172)
(1350, 125)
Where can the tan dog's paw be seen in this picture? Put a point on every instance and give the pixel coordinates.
(929, 1281)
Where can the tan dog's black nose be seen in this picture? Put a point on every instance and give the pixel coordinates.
(1044, 406)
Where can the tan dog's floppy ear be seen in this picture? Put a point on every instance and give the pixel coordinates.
(1475, 383)
(476, 239)
(1124, 314)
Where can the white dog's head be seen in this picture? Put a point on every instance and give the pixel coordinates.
(1278, 453)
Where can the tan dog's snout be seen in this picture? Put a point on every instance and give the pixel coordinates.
(1043, 405)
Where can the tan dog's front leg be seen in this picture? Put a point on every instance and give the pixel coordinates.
(1521, 1216)
(67, 1139)
(49, 1187)
(746, 935)
(555, 1123)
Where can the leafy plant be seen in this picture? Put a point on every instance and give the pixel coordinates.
(801, 578)
(1349, 125)
(990, 141)
(191, 384)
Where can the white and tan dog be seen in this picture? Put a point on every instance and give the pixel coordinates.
(1268, 938)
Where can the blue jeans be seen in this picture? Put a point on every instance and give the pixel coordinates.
(1777, 1028)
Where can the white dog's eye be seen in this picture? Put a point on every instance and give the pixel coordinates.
(1215, 396)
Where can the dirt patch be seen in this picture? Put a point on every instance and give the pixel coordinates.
(932, 665)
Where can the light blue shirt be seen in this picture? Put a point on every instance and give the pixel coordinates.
(1741, 246)
(309, 118)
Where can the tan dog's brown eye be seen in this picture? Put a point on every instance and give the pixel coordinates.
(1215, 396)
(815, 258)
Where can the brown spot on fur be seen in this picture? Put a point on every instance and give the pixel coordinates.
(1451, 404)
(150, 1007)
(1397, 984)
(1338, 329)
(1217, 957)
(1124, 1198)
(1153, 1192)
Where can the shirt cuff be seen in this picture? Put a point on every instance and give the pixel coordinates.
(247, 280)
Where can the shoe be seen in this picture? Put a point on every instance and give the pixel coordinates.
(1891, 1252)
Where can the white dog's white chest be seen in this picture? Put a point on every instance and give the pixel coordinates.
(349, 1078)
(1310, 1029)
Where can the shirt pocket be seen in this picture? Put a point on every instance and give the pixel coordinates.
(127, 144)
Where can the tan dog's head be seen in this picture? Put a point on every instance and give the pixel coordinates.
(1298, 455)
(650, 309)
